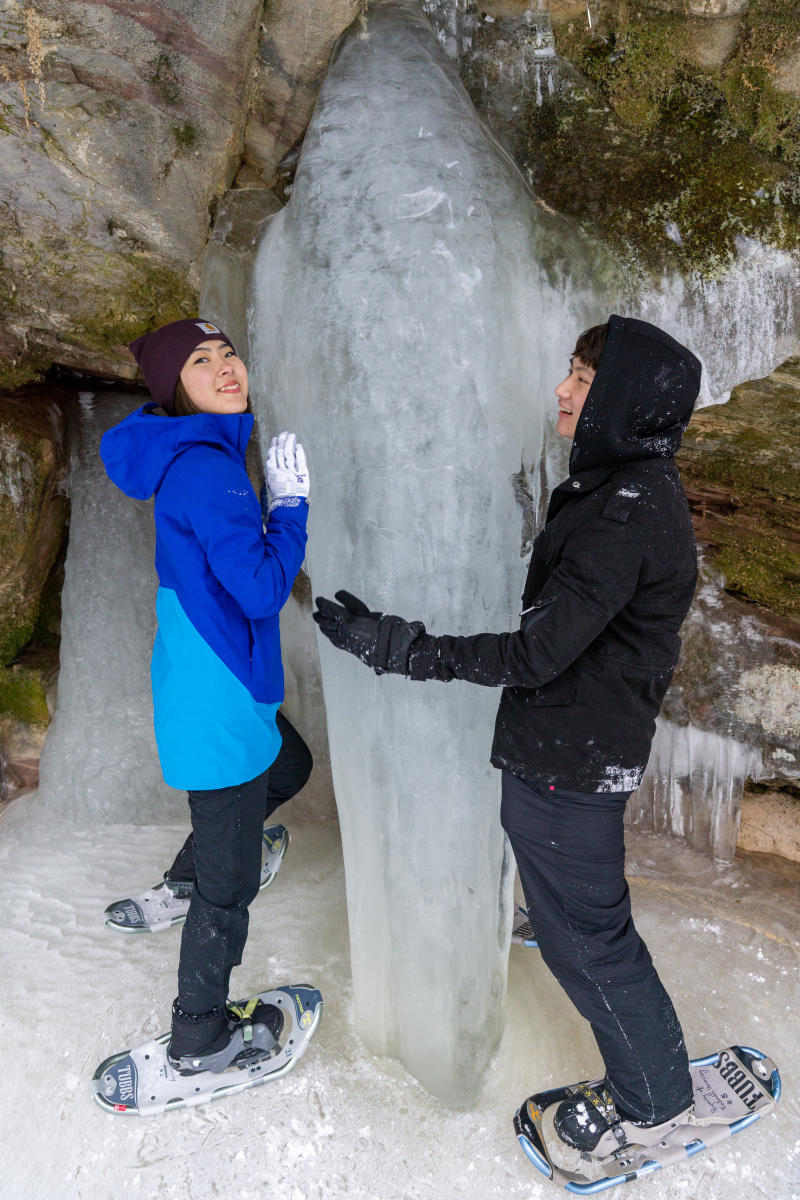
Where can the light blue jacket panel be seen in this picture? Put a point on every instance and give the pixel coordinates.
(210, 731)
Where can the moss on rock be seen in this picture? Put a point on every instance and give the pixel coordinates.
(23, 694)
(770, 118)
(739, 466)
(100, 292)
(151, 295)
(667, 161)
(131, 292)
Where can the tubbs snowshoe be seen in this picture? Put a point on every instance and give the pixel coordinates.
(256, 1046)
(522, 931)
(168, 903)
(732, 1089)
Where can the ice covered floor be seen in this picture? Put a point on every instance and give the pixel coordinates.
(344, 1124)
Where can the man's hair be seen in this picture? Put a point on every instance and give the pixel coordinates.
(590, 345)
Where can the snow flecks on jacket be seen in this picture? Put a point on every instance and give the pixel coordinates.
(621, 779)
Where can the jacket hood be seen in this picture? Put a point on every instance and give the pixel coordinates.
(640, 400)
(137, 452)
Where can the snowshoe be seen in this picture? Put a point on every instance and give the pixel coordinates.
(522, 931)
(168, 903)
(732, 1089)
(145, 1081)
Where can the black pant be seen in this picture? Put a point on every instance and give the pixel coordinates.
(570, 852)
(287, 775)
(222, 856)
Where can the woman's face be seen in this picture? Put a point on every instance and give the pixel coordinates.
(215, 378)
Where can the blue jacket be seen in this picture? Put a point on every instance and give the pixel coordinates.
(216, 670)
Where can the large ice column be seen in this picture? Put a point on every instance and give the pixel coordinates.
(412, 311)
(99, 760)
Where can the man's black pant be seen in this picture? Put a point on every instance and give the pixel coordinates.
(570, 852)
(222, 856)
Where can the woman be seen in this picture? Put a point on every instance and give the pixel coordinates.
(216, 669)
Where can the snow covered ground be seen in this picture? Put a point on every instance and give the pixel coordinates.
(343, 1123)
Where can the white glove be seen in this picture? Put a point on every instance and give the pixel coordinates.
(287, 472)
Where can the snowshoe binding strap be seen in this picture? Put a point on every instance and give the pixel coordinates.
(181, 888)
(244, 1018)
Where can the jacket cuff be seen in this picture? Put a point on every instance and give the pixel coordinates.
(424, 661)
(290, 508)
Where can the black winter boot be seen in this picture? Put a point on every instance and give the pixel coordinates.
(193, 1035)
(589, 1114)
(582, 1120)
(213, 1041)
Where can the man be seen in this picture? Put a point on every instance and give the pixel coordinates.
(610, 582)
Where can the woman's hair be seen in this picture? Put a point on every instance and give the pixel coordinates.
(182, 406)
(590, 345)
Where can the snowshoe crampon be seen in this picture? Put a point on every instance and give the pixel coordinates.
(144, 1082)
(522, 931)
(168, 903)
(732, 1089)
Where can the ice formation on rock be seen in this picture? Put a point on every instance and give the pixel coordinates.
(99, 760)
(693, 787)
(453, 22)
(742, 325)
(412, 311)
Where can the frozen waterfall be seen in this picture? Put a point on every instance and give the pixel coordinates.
(99, 760)
(412, 309)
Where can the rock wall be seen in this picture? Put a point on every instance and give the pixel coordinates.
(33, 514)
(33, 509)
(120, 126)
(739, 464)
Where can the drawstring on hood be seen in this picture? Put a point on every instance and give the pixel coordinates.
(640, 401)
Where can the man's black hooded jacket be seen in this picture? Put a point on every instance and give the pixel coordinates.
(610, 582)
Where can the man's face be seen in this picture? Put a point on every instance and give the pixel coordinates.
(572, 393)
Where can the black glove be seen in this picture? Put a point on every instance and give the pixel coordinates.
(381, 641)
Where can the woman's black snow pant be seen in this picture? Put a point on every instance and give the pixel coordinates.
(222, 856)
(570, 852)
